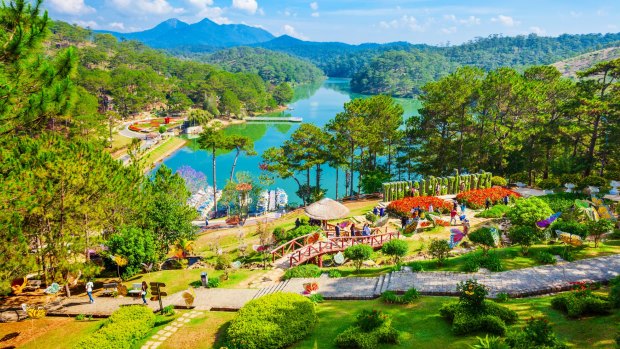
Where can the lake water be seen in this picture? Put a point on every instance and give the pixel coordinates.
(316, 104)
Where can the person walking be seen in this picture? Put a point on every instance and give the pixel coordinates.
(403, 222)
(487, 204)
(466, 226)
(366, 230)
(375, 211)
(463, 207)
(506, 200)
(352, 229)
(431, 208)
(337, 230)
(453, 216)
(145, 288)
(89, 291)
(455, 204)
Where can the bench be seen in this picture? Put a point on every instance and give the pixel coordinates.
(33, 285)
(136, 290)
(109, 289)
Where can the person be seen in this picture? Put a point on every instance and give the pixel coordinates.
(462, 187)
(337, 230)
(352, 229)
(381, 211)
(403, 221)
(89, 291)
(375, 211)
(431, 208)
(455, 205)
(143, 293)
(506, 199)
(366, 230)
(463, 207)
(437, 189)
(453, 216)
(413, 211)
(487, 204)
(207, 222)
(413, 190)
(297, 223)
(466, 227)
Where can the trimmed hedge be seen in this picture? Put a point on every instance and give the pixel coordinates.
(271, 322)
(575, 305)
(492, 318)
(409, 297)
(302, 271)
(121, 330)
(371, 329)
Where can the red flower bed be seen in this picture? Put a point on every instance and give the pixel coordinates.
(476, 198)
(403, 207)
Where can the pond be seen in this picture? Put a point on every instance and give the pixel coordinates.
(316, 104)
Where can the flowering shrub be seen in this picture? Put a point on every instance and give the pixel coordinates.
(476, 198)
(581, 301)
(471, 293)
(403, 207)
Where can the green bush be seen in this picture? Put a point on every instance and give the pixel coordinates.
(358, 254)
(122, 329)
(525, 236)
(294, 233)
(472, 263)
(497, 211)
(80, 317)
(316, 298)
(271, 322)
(492, 262)
(168, 310)
(409, 297)
(536, 334)
(492, 318)
(369, 320)
(595, 181)
(527, 212)
(502, 297)
(439, 249)
(490, 343)
(576, 304)
(222, 262)
(416, 266)
(500, 181)
(371, 217)
(561, 202)
(482, 236)
(544, 257)
(571, 227)
(279, 234)
(549, 183)
(395, 249)
(354, 338)
(371, 329)
(213, 282)
(334, 273)
(302, 271)
(614, 292)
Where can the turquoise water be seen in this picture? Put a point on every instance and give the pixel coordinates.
(316, 104)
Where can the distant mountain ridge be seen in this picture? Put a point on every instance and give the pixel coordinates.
(175, 33)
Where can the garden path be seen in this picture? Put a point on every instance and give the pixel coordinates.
(165, 333)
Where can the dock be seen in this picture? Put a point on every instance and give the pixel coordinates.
(274, 119)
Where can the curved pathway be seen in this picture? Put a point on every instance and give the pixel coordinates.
(516, 283)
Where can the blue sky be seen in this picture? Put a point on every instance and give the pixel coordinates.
(356, 21)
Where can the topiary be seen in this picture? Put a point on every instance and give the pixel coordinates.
(527, 212)
(440, 250)
(499, 181)
(271, 322)
(549, 183)
(571, 227)
(358, 254)
(536, 334)
(396, 249)
(302, 271)
(525, 236)
(483, 236)
(122, 329)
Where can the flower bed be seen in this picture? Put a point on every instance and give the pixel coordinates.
(476, 198)
(403, 207)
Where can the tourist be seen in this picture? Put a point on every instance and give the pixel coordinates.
(431, 208)
(455, 204)
(206, 222)
(453, 216)
(89, 291)
(381, 211)
(466, 227)
(462, 187)
(487, 204)
(437, 189)
(463, 207)
(413, 190)
(143, 293)
(506, 199)
(403, 221)
(375, 211)
(337, 230)
(366, 230)
(297, 223)
(353, 229)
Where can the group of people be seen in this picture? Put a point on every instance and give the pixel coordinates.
(365, 231)
(89, 291)
(379, 211)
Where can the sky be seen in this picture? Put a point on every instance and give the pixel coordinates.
(435, 22)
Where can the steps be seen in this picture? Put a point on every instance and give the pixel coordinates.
(278, 287)
(383, 281)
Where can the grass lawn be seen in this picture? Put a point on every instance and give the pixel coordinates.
(179, 280)
(162, 149)
(161, 321)
(50, 332)
(204, 331)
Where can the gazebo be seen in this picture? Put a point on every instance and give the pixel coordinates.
(326, 209)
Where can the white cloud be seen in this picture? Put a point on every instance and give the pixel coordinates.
(204, 9)
(249, 6)
(471, 20)
(315, 14)
(72, 7)
(291, 31)
(505, 20)
(117, 25)
(405, 22)
(314, 6)
(450, 30)
(85, 24)
(159, 7)
(537, 30)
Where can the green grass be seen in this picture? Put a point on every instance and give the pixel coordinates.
(179, 280)
(163, 148)
(65, 336)
(204, 331)
(161, 321)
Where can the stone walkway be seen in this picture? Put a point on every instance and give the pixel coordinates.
(165, 333)
(516, 283)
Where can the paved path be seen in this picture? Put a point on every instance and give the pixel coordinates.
(517, 283)
(165, 333)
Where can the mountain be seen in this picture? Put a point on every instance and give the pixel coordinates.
(206, 34)
(570, 67)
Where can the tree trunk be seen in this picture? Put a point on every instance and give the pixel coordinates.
(308, 176)
(318, 175)
(232, 170)
(592, 147)
(299, 187)
(336, 182)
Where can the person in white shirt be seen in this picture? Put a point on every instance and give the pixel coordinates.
(89, 290)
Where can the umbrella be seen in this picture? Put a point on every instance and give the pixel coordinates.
(326, 209)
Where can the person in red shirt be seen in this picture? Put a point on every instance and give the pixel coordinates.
(453, 216)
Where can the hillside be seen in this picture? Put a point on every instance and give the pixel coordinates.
(274, 67)
(570, 67)
(206, 33)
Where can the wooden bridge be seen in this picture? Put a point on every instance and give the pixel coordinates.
(274, 118)
(308, 247)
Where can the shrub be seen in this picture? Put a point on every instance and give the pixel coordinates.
(561, 202)
(439, 249)
(614, 292)
(545, 257)
(502, 297)
(575, 305)
(497, 211)
(122, 329)
(549, 183)
(525, 236)
(371, 217)
(490, 343)
(476, 198)
(598, 228)
(354, 338)
(536, 334)
(80, 317)
(368, 320)
(168, 310)
(492, 262)
(213, 282)
(396, 249)
(222, 262)
(529, 211)
(595, 181)
(279, 233)
(484, 237)
(471, 294)
(571, 227)
(472, 263)
(409, 297)
(334, 273)
(316, 298)
(492, 318)
(416, 266)
(304, 220)
(294, 233)
(358, 254)
(273, 321)
(500, 181)
(302, 271)
(371, 329)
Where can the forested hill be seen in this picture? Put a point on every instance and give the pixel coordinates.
(136, 78)
(274, 67)
(570, 67)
